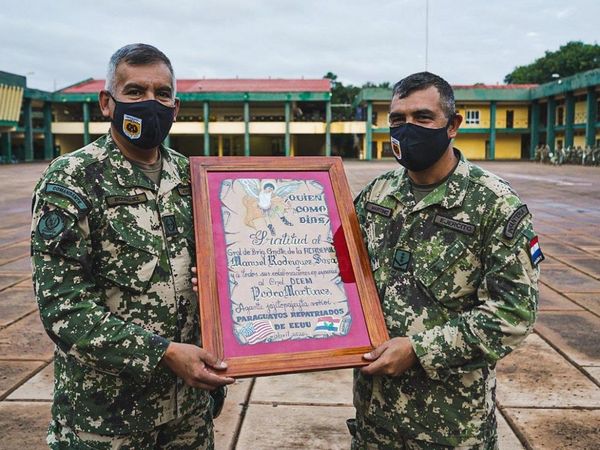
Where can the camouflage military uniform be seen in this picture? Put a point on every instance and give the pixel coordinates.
(111, 264)
(454, 273)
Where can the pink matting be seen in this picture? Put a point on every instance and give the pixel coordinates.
(358, 335)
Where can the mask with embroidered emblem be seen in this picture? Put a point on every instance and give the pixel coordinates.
(144, 124)
(418, 148)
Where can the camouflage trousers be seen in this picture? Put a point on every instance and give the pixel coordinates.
(368, 436)
(191, 432)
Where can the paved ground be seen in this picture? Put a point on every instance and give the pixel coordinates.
(548, 389)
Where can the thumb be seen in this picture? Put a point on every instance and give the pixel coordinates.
(374, 354)
(211, 360)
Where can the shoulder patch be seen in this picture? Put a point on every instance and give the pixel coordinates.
(80, 203)
(378, 209)
(51, 224)
(535, 252)
(115, 200)
(514, 220)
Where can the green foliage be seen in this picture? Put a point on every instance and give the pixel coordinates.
(341, 94)
(569, 59)
(342, 98)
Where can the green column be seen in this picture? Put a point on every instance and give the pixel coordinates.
(550, 122)
(492, 154)
(534, 126)
(590, 124)
(48, 138)
(206, 114)
(6, 146)
(86, 123)
(246, 128)
(328, 128)
(28, 129)
(569, 119)
(369, 131)
(288, 114)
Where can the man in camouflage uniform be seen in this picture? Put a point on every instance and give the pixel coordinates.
(112, 248)
(455, 261)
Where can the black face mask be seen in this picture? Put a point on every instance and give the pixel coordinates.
(145, 124)
(418, 148)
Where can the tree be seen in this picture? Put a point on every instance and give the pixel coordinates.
(341, 94)
(569, 59)
(342, 99)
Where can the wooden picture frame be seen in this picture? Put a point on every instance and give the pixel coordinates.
(284, 279)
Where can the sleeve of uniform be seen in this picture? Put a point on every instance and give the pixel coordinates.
(506, 310)
(360, 213)
(71, 306)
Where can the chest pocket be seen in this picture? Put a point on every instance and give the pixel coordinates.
(453, 277)
(129, 255)
(375, 232)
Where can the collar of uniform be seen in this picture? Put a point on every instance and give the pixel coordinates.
(401, 190)
(169, 177)
(448, 195)
(127, 175)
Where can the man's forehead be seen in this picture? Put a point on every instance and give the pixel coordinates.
(154, 73)
(428, 98)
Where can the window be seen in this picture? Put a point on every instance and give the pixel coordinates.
(561, 116)
(472, 117)
(510, 116)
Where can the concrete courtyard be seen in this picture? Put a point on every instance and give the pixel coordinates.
(548, 390)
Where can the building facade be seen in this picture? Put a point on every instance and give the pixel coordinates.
(293, 117)
(505, 121)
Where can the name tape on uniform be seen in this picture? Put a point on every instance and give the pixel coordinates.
(115, 200)
(456, 225)
(378, 209)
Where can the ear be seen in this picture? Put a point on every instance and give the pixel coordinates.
(104, 101)
(454, 126)
(177, 104)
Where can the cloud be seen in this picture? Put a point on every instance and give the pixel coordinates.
(65, 42)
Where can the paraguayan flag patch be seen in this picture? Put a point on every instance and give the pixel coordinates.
(535, 252)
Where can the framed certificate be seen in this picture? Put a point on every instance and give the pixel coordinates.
(284, 278)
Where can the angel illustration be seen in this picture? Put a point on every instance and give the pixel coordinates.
(266, 201)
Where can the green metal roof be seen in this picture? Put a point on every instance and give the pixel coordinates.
(213, 96)
(579, 81)
(502, 93)
(461, 93)
(37, 94)
(374, 95)
(12, 79)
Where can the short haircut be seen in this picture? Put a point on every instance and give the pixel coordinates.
(423, 80)
(136, 55)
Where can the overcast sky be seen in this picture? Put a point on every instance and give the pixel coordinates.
(58, 43)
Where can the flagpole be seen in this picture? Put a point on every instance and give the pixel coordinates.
(426, 34)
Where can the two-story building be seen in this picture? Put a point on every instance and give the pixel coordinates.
(293, 117)
(505, 121)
